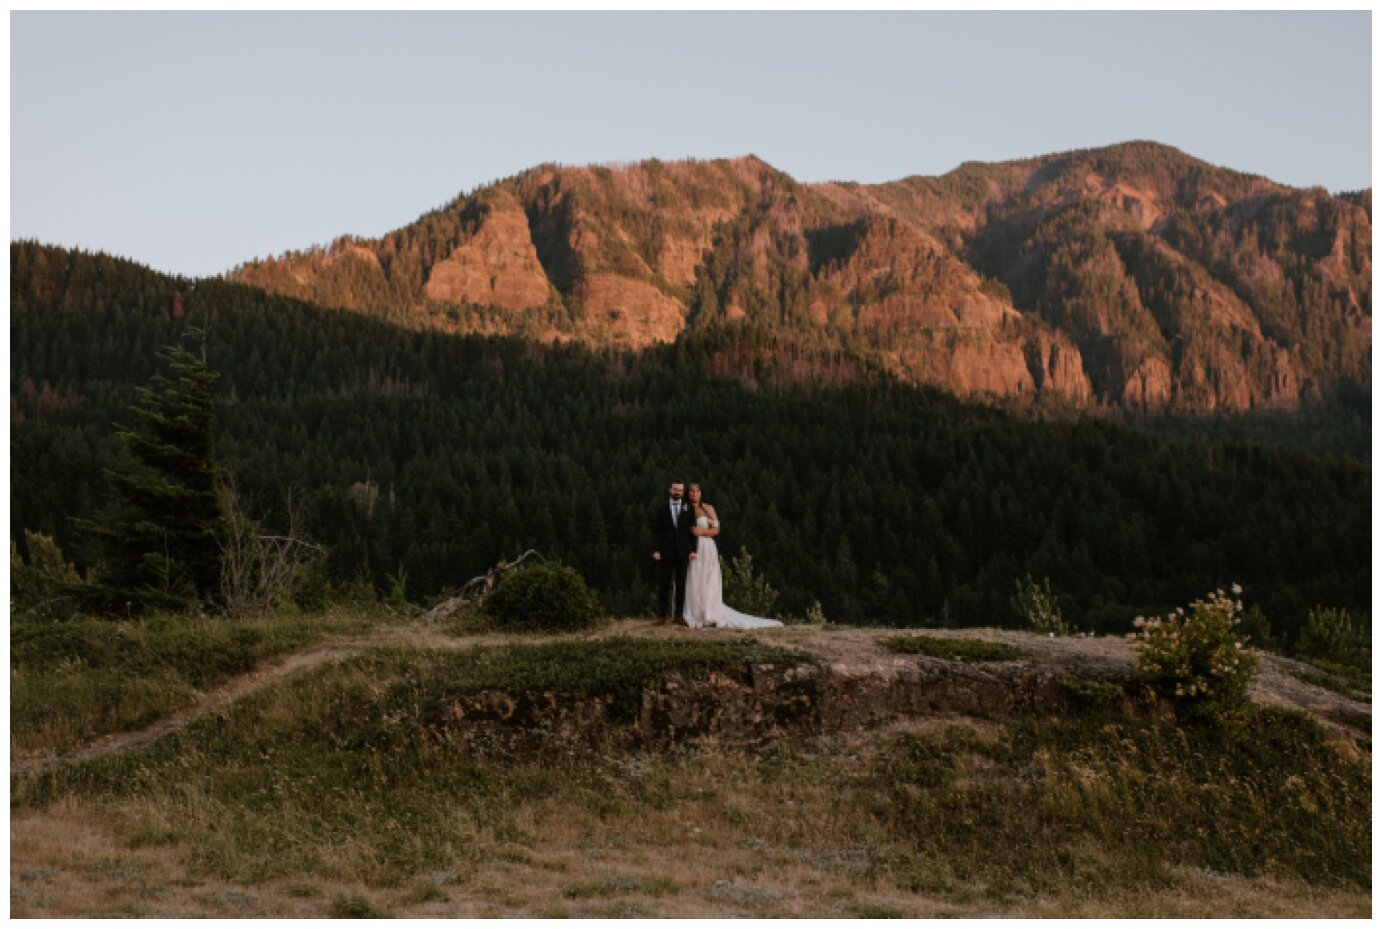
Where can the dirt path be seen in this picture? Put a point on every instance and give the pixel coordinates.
(853, 648)
(277, 669)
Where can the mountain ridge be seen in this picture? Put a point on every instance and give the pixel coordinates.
(1132, 275)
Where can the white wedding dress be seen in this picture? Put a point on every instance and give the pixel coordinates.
(705, 605)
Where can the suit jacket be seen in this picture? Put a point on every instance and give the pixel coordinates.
(674, 541)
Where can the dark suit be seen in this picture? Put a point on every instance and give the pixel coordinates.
(675, 542)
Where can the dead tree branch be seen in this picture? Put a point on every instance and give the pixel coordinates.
(474, 590)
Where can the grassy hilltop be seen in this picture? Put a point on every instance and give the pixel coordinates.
(374, 765)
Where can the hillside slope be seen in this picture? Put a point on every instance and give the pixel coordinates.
(651, 771)
(1132, 275)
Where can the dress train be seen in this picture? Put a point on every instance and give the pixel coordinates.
(705, 605)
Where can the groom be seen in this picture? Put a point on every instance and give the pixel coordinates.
(674, 548)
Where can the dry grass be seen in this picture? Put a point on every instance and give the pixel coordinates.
(707, 834)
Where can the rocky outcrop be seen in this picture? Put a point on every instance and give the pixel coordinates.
(767, 701)
(498, 266)
(777, 701)
(1140, 205)
(633, 312)
(1147, 387)
(969, 365)
(1055, 367)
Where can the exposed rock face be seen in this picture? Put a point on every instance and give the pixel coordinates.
(635, 312)
(1055, 366)
(968, 365)
(778, 701)
(1141, 205)
(1131, 275)
(1148, 386)
(498, 266)
(771, 700)
(899, 278)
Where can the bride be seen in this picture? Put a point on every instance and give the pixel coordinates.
(705, 605)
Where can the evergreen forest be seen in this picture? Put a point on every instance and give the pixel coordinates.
(422, 458)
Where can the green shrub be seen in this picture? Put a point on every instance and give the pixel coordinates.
(312, 592)
(1258, 630)
(355, 906)
(744, 590)
(397, 597)
(44, 585)
(815, 616)
(1036, 603)
(952, 649)
(1198, 660)
(542, 598)
(1093, 693)
(1335, 637)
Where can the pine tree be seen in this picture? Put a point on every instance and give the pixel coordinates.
(160, 542)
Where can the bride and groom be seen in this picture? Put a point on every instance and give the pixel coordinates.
(684, 531)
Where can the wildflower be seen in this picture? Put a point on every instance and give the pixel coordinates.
(1237, 589)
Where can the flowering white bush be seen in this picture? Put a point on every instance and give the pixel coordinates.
(1199, 659)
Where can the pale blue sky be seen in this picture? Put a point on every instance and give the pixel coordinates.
(191, 142)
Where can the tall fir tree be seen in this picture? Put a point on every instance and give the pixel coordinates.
(161, 540)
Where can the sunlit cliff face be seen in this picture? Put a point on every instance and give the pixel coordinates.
(1130, 276)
